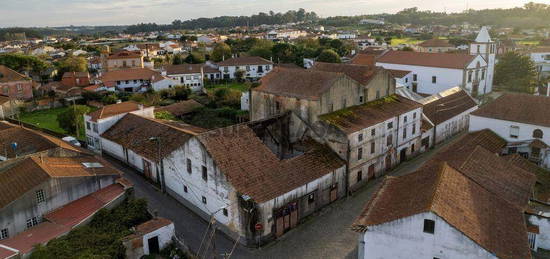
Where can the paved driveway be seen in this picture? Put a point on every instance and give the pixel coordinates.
(326, 235)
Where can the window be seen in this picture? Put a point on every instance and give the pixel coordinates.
(514, 131)
(360, 137)
(32, 222)
(390, 125)
(404, 133)
(389, 140)
(203, 199)
(359, 153)
(373, 132)
(377, 94)
(405, 119)
(469, 76)
(204, 173)
(478, 48)
(512, 150)
(4, 234)
(429, 226)
(344, 102)
(434, 79)
(372, 147)
(415, 77)
(127, 81)
(88, 125)
(225, 212)
(414, 115)
(414, 129)
(189, 165)
(40, 197)
(247, 68)
(537, 133)
(311, 198)
(359, 176)
(406, 80)
(360, 99)
(482, 74)
(412, 148)
(185, 189)
(94, 125)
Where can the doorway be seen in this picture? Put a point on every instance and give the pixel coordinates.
(153, 245)
(403, 155)
(388, 163)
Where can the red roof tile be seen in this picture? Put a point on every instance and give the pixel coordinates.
(359, 73)
(442, 60)
(436, 43)
(40, 234)
(447, 107)
(9, 75)
(523, 108)
(243, 61)
(114, 109)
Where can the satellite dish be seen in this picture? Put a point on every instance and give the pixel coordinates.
(14, 145)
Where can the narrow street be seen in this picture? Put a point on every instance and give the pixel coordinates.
(325, 235)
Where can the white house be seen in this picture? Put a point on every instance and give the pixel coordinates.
(449, 112)
(519, 119)
(435, 72)
(149, 237)
(137, 80)
(262, 196)
(252, 67)
(192, 75)
(438, 212)
(99, 121)
(374, 137)
(541, 57)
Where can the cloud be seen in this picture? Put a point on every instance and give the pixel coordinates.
(108, 12)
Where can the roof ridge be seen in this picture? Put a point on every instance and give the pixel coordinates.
(435, 195)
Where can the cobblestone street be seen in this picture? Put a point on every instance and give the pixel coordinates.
(325, 235)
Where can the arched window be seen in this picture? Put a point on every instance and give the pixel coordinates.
(537, 133)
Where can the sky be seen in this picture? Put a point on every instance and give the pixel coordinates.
(42, 13)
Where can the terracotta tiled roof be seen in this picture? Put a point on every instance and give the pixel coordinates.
(436, 43)
(184, 69)
(359, 73)
(114, 109)
(180, 108)
(484, 138)
(76, 212)
(243, 61)
(131, 74)
(9, 75)
(75, 74)
(63, 219)
(523, 108)
(125, 54)
(480, 215)
(445, 107)
(135, 133)
(542, 187)
(399, 73)
(362, 116)
(28, 142)
(306, 84)
(7, 253)
(18, 177)
(149, 226)
(364, 59)
(442, 60)
(254, 170)
(4, 99)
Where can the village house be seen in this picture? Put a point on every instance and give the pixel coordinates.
(307, 93)
(15, 85)
(149, 238)
(123, 60)
(374, 137)
(143, 143)
(137, 80)
(435, 45)
(517, 119)
(192, 75)
(435, 72)
(449, 112)
(436, 221)
(251, 67)
(99, 121)
(266, 194)
(9, 107)
(541, 57)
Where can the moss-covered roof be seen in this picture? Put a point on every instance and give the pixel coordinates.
(362, 116)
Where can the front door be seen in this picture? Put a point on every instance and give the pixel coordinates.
(153, 245)
(371, 172)
(415, 87)
(388, 162)
(403, 155)
(147, 168)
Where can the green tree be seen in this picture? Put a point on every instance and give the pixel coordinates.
(20, 63)
(165, 115)
(71, 64)
(516, 72)
(329, 56)
(177, 60)
(284, 53)
(220, 52)
(195, 58)
(73, 118)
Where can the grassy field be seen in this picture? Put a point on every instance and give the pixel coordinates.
(399, 41)
(237, 86)
(47, 119)
(528, 42)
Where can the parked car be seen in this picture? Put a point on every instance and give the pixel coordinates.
(72, 140)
